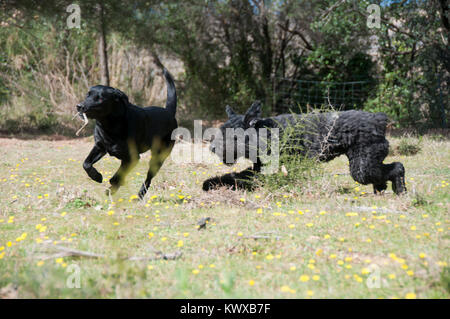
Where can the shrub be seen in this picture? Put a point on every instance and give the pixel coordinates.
(296, 168)
(409, 146)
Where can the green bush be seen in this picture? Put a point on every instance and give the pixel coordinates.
(296, 168)
(409, 146)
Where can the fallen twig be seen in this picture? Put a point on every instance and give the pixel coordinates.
(70, 252)
(171, 256)
(370, 209)
(265, 235)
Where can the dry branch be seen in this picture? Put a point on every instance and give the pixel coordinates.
(63, 251)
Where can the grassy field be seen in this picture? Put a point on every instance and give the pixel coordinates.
(328, 238)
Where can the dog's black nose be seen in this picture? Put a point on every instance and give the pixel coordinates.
(79, 107)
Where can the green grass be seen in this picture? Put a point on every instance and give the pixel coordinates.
(258, 244)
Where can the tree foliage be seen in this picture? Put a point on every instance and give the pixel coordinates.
(235, 51)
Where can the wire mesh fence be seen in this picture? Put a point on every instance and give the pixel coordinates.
(298, 95)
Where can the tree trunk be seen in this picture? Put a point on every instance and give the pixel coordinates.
(102, 52)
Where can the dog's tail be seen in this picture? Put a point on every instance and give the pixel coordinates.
(171, 103)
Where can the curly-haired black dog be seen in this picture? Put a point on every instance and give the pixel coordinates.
(124, 130)
(359, 135)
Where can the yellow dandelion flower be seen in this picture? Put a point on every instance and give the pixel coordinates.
(304, 278)
(410, 295)
(285, 288)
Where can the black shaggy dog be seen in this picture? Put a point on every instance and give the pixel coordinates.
(124, 130)
(357, 134)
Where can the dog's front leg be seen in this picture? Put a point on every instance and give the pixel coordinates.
(119, 177)
(94, 156)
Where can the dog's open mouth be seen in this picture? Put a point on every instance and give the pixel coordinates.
(85, 120)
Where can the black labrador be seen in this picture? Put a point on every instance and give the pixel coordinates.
(124, 130)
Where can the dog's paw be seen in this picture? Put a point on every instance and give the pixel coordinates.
(210, 184)
(95, 175)
(98, 178)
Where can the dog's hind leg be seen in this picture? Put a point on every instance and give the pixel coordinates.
(366, 167)
(94, 156)
(160, 151)
(119, 177)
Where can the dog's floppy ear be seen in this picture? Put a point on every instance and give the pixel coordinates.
(253, 114)
(229, 111)
(120, 96)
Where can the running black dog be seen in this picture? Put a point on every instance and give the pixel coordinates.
(124, 130)
(360, 135)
